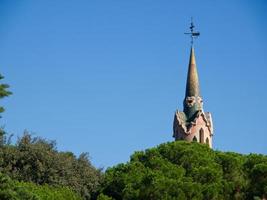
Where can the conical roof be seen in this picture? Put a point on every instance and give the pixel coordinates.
(192, 84)
(193, 100)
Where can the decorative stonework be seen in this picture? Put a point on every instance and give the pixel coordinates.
(191, 130)
(190, 101)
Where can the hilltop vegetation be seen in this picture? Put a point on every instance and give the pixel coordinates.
(36, 160)
(187, 171)
(175, 171)
(14, 190)
(33, 169)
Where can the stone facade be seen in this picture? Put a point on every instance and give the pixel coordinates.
(199, 130)
(193, 124)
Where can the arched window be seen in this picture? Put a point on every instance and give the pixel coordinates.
(201, 135)
(194, 139)
(207, 141)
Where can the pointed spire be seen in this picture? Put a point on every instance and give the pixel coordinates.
(193, 100)
(192, 85)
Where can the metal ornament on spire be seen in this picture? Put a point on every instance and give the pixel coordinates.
(192, 33)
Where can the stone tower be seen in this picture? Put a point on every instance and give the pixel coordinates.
(193, 124)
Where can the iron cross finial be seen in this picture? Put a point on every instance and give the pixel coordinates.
(192, 34)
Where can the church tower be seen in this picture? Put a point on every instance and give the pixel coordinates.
(193, 124)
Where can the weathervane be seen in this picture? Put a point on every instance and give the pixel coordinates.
(192, 33)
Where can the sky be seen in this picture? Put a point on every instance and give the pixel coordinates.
(105, 77)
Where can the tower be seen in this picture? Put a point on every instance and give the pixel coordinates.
(193, 124)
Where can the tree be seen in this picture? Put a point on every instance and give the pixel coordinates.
(256, 168)
(10, 191)
(182, 171)
(36, 160)
(3, 92)
(14, 190)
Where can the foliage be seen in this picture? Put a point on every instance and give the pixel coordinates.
(3, 92)
(36, 160)
(46, 192)
(182, 170)
(104, 197)
(9, 190)
(14, 190)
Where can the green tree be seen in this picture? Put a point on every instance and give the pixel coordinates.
(187, 171)
(14, 190)
(256, 168)
(3, 92)
(10, 191)
(36, 160)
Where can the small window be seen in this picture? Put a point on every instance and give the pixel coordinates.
(201, 135)
(194, 139)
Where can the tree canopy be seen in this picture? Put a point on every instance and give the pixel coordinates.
(15, 190)
(181, 170)
(36, 160)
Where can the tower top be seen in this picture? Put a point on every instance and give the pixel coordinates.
(192, 83)
(192, 33)
(193, 124)
(193, 100)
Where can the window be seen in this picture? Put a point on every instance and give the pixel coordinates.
(194, 139)
(201, 135)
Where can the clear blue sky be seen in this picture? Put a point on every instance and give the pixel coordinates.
(106, 77)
